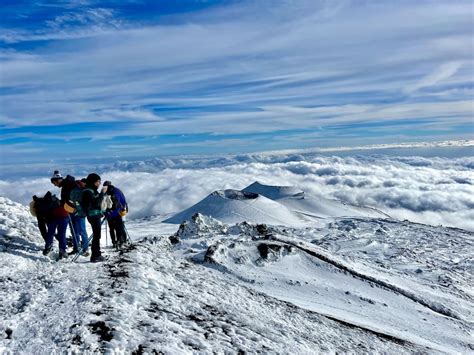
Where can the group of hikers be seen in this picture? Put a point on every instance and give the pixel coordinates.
(80, 200)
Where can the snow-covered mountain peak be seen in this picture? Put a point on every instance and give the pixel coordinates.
(233, 206)
(273, 205)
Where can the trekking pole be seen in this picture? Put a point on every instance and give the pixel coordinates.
(106, 240)
(128, 235)
(74, 235)
(81, 251)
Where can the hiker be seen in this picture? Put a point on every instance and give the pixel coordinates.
(66, 184)
(91, 205)
(114, 215)
(57, 220)
(78, 220)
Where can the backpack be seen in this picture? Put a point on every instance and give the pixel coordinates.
(44, 206)
(75, 200)
(33, 207)
(97, 204)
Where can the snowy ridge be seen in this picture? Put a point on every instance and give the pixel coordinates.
(324, 256)
(279, 263)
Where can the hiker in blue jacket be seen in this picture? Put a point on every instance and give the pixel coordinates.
(114, 215)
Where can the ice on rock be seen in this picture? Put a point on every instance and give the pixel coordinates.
(200, 225)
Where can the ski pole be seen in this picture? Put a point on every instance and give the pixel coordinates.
(128, 235)
(81, 251)
(74, 235)
(106, 240)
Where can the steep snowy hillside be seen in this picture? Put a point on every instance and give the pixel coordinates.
(340, 285)
(278, 205)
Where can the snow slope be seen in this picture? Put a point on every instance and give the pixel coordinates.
(311, 205)
(372, 291)
(339, 285)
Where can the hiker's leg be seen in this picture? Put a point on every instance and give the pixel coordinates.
(110, 222)
(81, 226)
(50, 235)
(120, 229)
(61, 236)
(42, 226)
(75, 235)
(96, 229)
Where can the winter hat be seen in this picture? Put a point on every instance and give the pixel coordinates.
(56, 176)
(92, 178)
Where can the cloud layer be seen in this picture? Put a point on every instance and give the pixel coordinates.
(426, 190)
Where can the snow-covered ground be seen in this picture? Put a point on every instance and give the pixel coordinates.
(355, 282)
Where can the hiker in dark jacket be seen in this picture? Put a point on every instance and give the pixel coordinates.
(91, 206)
(114, 215)
(49, 207)
(66, 184)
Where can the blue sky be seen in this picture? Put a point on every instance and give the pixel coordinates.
(152, 78)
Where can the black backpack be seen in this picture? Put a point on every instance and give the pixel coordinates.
(45, 206)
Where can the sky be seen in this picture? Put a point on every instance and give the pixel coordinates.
(112, 79)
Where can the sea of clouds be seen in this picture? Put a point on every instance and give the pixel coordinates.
(436, 191)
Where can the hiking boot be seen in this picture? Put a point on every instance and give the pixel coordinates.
(86, 253)
(62, 254)
(97, 259)
(47, 250)
(74, 251)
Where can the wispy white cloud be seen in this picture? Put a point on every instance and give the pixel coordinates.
(245, 68)
(441, 73)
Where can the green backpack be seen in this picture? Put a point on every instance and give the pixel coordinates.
(76, 199)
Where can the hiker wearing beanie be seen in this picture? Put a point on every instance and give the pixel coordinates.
(66, 184)
(60, 218)
(91, 206)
